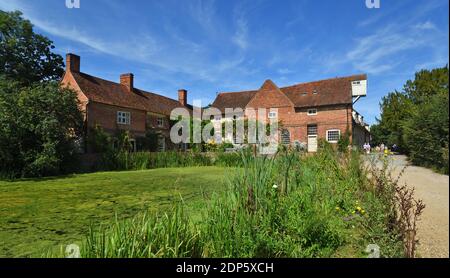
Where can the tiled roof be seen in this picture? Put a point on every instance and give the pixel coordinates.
(312, 94)
(233, 100)
(108, 92)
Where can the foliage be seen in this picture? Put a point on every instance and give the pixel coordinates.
(39, 127)
(286, 206)
(403, 209)
(417, 118)
(344, 142)
(426, 133)
(98, 140)
(25, 56)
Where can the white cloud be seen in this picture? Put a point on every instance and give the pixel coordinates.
(428, 25)
(240, 38)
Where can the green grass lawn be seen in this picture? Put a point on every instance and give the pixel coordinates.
(44, 214)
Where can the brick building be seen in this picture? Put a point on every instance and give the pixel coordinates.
(308, 111)
(121, 106)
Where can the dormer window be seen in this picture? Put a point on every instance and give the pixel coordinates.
(312, 112)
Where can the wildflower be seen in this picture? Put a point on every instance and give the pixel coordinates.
(338, 208)
(275, 186)
(358, 208)
(353, 212)
(363, 211)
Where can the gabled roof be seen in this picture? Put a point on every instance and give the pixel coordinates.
(270, 93)
(332, 91)
(108, 92)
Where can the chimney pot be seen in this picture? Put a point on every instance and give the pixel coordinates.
(182, 96)
(127, 80)
(72, 62)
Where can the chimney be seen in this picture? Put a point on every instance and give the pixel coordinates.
(127, 80)
(182, 97)
(72, 62)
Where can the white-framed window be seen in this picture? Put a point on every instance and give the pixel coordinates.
(160, 122)
(312, 112)
(123, 118)
(272, 115)
(333, 135)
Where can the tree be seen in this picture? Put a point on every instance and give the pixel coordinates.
(426, 133)
(25, 56)
(396, 107)
(39, 129)
(417, 118)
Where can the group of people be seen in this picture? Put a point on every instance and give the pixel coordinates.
(381, 148)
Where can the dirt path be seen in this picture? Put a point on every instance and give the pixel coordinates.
(432, 188)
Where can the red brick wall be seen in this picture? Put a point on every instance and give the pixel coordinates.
(331, 117)
(106, 116)
(297, 120)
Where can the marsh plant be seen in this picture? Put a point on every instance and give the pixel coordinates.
(288, 205)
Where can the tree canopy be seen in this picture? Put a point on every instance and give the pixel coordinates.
(40, 122)
(25, 56)
(417, 119)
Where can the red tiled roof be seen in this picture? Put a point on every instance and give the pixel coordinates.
(312, 94)
(108, 92)
(233, 100)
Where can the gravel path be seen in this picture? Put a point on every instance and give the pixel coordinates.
(432, 188)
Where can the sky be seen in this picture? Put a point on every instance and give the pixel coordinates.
(210, 46)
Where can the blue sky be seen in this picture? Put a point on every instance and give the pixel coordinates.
(213, 46)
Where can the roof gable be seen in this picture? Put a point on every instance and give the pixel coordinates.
(269, 95)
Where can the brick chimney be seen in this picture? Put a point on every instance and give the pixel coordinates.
(182, 97)
(127, 80)
(72, 62)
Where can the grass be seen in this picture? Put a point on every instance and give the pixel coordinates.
(287, 206)
(41, 214)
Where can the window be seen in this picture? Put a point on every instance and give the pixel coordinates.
(356, 82)
(160, 122)
(312, 130)
(312, 112)
(123, 118)
(272, 115)
(333, 135)
(285, 137)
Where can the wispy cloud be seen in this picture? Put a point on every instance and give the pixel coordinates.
(240, 37)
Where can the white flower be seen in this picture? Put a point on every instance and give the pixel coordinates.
(275, 186)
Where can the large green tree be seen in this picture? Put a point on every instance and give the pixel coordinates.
(417, 118)
(25, 56)
(39, 129)
(40, 123)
